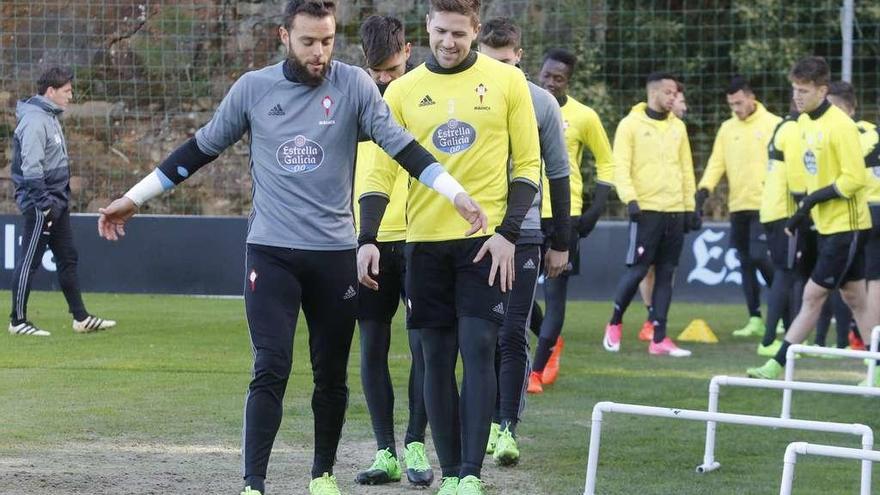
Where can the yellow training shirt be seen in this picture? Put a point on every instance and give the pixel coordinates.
(869, 138)
(784, 175)
(832, 155)
(653, 163)
(740, 152)
(393, 227)
(583, 129)
(472, 119)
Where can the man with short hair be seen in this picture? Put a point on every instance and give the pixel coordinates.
(654, 177)
(41, 174)
(831, 155)
(304, 116)
(477, 113)
(646, 286)
(500, 39)
(387, 58)
(740, 153)
(583, 131)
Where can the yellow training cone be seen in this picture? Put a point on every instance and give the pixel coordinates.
(698, 331)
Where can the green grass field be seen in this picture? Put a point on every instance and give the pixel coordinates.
(156, 405)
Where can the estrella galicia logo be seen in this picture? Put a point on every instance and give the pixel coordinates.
(300, 155)
(810, 162)
(454, 136)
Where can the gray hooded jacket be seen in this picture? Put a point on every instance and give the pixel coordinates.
(40, 169)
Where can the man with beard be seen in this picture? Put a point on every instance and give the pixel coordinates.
(387, 58)
(476, 112)
(304, 116)
(654, 177)
(740, 153)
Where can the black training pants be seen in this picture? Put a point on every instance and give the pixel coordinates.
(36, 236)
(278, 281)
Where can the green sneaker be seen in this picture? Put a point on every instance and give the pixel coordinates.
(325, 485)
(418, 469)
(448, 486)
(754, 328)
(770, 350)
(769, 371)
(864, 383)
(385, 469)
(506, 451)
(493, 438)
(470, 485)
(248, 491)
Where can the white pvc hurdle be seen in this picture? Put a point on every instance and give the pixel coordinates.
(865, 432)
(802, 448)
(823, 351)
(875, 345)
(826, 388)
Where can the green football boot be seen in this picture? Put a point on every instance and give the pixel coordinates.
(385, 469)
(769, 371)
(493, 438)
(325, 485)
(470, 485)
(418, 469)
(754, 328)
(506, 451)
(769, 350)
(448, 486)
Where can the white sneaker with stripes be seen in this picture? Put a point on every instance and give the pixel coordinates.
(92, 324)
(27, 328)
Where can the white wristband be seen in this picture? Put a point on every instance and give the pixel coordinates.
(148, 188)
(446, 185)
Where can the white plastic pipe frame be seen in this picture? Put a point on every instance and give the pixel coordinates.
(602, 408)
(802, 448)
(824, 351)
(826, 388)
(872, 364)
(709, 463)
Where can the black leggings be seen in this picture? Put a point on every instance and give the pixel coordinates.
(460, 430)
(752, 256)
(379, 393)
(555, 295)
(274, 290)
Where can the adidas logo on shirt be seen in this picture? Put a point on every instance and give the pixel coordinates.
(276, 111)
(530, 265)
(499, 308)
(349, 293)
(426, 101)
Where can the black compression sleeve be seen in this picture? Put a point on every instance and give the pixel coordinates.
(414, 158)
(185, 161)
(560, 203)
(821, 195)
(372, 209)
(600, 197)
(519, 200)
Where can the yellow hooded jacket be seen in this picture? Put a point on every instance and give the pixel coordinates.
(740, 152)
(653, 163)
